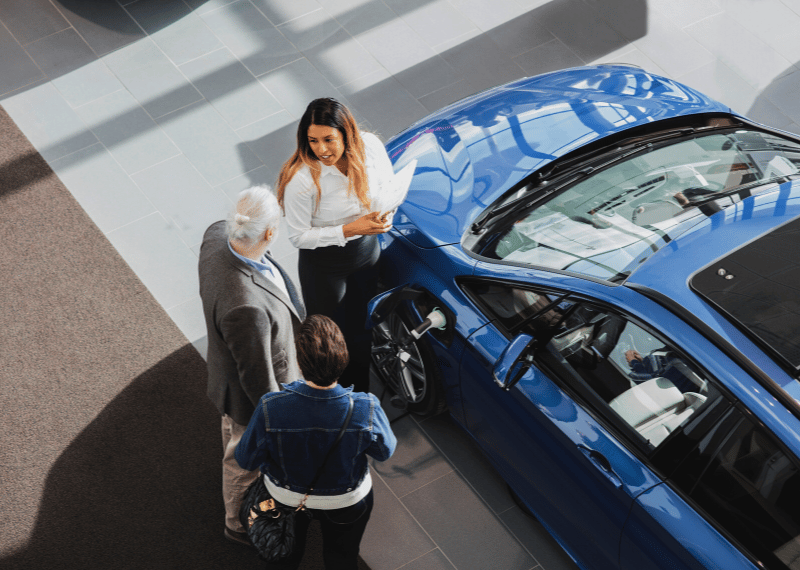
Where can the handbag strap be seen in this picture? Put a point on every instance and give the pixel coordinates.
(335, 443)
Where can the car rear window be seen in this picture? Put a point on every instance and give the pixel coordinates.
(758, 287)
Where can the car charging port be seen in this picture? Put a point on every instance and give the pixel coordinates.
(434, 320)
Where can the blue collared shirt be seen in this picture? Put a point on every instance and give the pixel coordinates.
(264, 267)
(291, 431)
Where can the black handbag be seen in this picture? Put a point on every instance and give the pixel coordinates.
(271, 525)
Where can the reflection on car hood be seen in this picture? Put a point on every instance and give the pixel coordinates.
(472, 151)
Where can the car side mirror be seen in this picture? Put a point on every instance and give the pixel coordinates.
(514, 362)
(381, 306)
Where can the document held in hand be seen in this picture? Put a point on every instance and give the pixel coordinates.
(393, 192)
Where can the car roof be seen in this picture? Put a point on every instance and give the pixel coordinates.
(472, 151)
(722, 245)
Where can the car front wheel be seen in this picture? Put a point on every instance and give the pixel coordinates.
(410, 373)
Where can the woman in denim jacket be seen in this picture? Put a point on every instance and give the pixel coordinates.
(291, 431)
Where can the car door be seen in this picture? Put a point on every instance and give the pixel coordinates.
(568, 435)
(733, 488)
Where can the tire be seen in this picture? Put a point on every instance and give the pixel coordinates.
(417, 380)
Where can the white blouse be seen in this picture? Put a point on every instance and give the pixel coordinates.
(309, 228)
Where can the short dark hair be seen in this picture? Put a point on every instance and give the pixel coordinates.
(321, 350)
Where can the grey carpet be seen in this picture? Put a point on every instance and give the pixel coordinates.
(109, 451)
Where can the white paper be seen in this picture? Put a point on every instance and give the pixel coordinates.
(393, 192)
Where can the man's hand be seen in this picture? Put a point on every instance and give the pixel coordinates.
(631, 355)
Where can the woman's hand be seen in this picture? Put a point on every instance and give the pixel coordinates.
(367, 225)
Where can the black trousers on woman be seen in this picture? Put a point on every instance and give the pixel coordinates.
(342, 530)
(338, 282)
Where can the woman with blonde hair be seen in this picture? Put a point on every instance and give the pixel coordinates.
(326, 189)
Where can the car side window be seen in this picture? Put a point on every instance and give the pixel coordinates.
(630, 375)
(743, 479)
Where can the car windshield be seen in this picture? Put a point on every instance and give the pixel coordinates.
(628, 207)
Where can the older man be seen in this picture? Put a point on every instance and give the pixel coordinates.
(252, 310)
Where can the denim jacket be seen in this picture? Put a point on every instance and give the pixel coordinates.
(291, 431)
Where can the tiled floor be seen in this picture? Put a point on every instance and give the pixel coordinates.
(155, 113)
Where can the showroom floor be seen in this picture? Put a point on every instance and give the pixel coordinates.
(156, 113)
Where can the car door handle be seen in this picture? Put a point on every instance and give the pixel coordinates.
(602, 463)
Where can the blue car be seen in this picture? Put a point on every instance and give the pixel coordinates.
(596, 272)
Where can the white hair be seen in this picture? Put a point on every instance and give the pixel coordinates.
(256, 211)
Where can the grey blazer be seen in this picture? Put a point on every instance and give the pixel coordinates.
(251, 326)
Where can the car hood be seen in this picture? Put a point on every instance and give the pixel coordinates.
(469, 153)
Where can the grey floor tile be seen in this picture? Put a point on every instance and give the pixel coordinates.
(739, 49)
(415, 462)
(435, 21)
(332, 50)
(720, 82)
(402, 53)
(489, 15)
(281, 247)
(482, 63)
(672, 49)
(463, 454)
(358, 16)
(105, 26)
(783, 93)
(297, 84)
(153, 248)
(464, 528)
(685, 12)
(49, 122)
(552, 56)
(628, 17)
(260, 175)
(273, 140)
(632, 55)
(152, 78)
(384, 102)
(18, 68)
(88, 83)
(209, 143)
(282, 12)
(520, 34)
(189, 318)
(260, 47)
(201, 345)
(31, 20)
(102, 188)
(447, 95)
(393, 538)
(537, 540)
(772, 21)
(205, 6)
(60, 53)
(128, 132)
(182, 35)
(433, 560)
(183, 197)
(230, 87)
(583, 31)
(764, 111)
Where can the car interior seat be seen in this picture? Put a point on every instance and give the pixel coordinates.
(656, 407)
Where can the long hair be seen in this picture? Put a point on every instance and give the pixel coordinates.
(328, 112)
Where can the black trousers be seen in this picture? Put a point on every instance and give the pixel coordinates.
(342, 530)
(338, 282)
